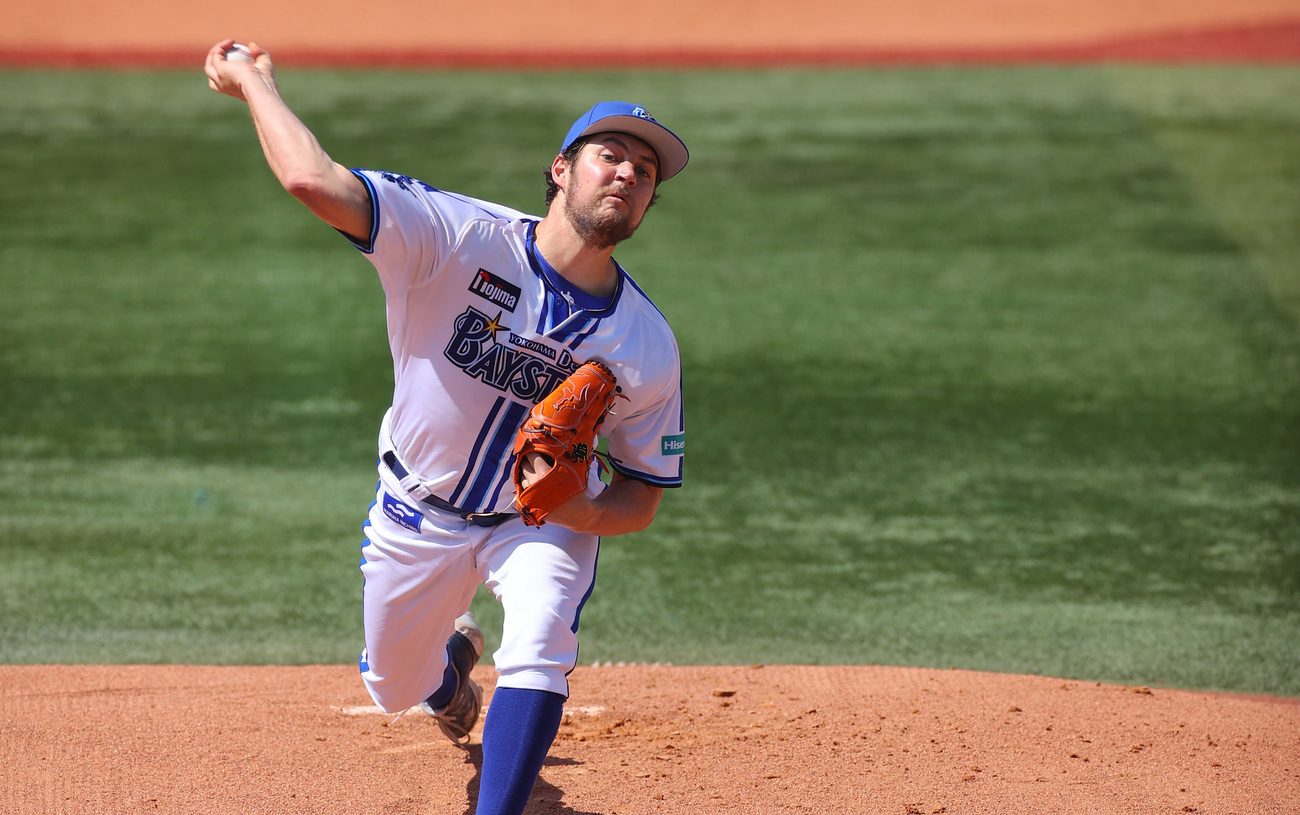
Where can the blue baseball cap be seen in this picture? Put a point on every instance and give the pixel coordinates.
(625, 117)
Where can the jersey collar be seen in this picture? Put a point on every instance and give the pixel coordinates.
(578, 299)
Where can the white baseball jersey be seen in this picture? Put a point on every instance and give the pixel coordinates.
(481, 328)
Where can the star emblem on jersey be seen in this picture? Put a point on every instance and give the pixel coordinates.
(526, 369)
(495, 325)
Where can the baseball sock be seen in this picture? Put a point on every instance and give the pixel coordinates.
(442, 696)
(520, 726)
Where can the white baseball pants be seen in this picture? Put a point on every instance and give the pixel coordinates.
(421, 570)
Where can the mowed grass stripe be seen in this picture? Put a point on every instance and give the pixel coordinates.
(1239, 151)
(978, 373)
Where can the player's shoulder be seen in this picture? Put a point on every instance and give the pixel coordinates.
(634, 298)
(384, 183)
(647, 322)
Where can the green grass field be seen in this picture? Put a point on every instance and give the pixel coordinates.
(985, 368)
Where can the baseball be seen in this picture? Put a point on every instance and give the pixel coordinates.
(238, 53)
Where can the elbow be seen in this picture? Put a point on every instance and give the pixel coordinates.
(307, 187)
(325, 197)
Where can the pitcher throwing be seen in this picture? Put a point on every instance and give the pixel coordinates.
(489, 312)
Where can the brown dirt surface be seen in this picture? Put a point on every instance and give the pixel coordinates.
(573, 32)
(646, 740)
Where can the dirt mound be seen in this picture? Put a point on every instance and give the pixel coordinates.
(646, 740)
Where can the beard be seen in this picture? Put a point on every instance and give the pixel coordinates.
(599, 228)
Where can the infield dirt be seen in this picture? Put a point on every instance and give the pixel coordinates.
(643, 740)
(647, 740)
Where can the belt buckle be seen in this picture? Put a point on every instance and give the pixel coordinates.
(484, 518)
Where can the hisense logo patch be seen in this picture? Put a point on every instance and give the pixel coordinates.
(673, 445)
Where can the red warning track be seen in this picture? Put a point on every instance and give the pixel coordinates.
(832, 33)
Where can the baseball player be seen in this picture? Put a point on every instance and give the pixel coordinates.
(488, 310)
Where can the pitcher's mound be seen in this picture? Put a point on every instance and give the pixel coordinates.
(646, 740)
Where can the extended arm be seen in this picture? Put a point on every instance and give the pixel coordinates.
(302, 167)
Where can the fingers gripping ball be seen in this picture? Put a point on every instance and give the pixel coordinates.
(562, 430)
(239, 53)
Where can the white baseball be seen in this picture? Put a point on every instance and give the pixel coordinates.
(238, 53)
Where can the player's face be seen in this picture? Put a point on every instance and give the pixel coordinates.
(610, 185)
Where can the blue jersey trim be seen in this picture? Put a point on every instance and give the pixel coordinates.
(366, 540)
(659, 481)
(555, 313)
(566, 309)
(575, 324)
(506, 477)
(577, 615)
(498, 450)
(478, 445)
(580, 338)
(652, 480)
(582, 301)
(625, 276)
(367, 246)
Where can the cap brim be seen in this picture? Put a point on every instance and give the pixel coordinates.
(671, 150)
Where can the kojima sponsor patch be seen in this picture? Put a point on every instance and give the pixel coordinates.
(673, 445)
(495, 289)
(398, 512)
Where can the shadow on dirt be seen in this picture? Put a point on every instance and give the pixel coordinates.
(546, 799)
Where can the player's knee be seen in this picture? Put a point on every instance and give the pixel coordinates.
(538, 655)
(396, 688)
(393, 695)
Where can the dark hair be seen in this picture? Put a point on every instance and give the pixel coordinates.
(552, 189)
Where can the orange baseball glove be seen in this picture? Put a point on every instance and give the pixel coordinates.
(562, 430)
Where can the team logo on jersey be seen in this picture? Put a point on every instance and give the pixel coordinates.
(510, 365)
(673, 445)
(495, 290)
(495, 326)
(405, 181)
